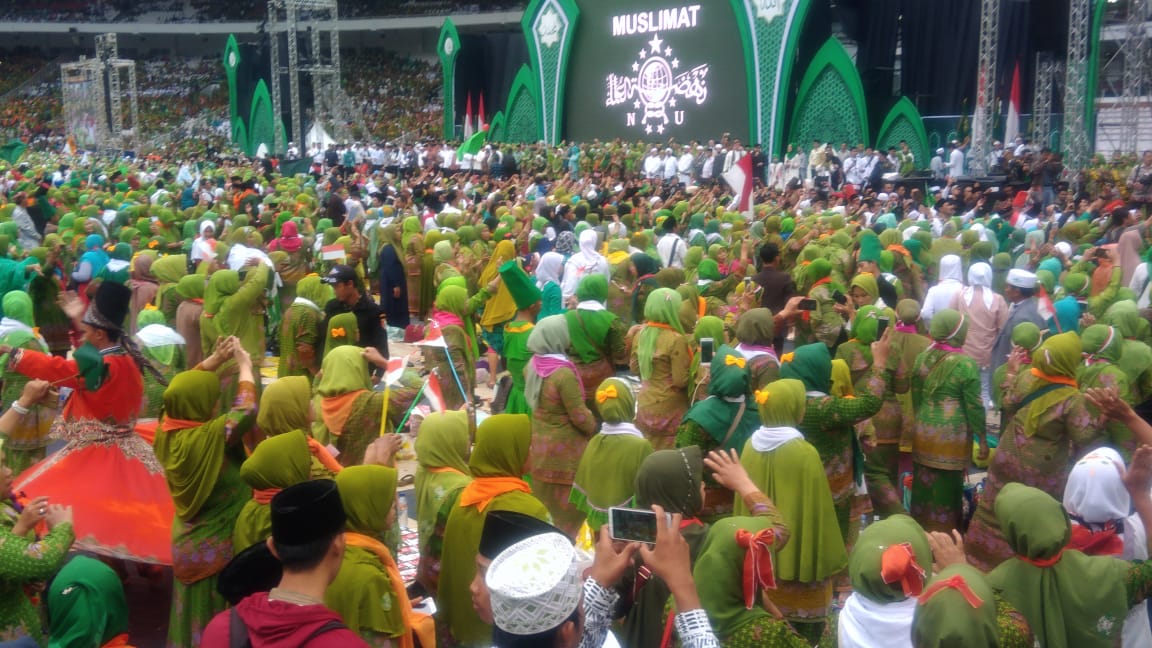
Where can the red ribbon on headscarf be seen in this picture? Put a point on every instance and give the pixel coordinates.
(1104, 542)
(758, 567)
(898, 565)
(1043, 562)
(957, 583)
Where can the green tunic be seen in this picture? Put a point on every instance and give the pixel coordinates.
(25, 561)
(517, 355)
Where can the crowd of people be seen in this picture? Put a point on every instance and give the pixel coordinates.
(858, 415)
(180, 11)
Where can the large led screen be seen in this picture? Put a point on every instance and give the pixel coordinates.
(652, 70)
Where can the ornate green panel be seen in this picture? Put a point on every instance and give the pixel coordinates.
(905, 123)
(522, 113)
(231, 61)
(549, 26)
(240, 135)
(448, 48)
(830, 105)
(262, 123)
(770, 32)
(496, 127)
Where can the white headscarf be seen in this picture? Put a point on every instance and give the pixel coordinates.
(951, 269)
(867, 624)
(1095, 491)
(979, 276)
(551, 265)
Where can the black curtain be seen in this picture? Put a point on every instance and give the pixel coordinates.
(1016, 46)
(941, 42)
(487, 65)
(874, 25)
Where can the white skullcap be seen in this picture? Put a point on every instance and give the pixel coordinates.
(535, 584)
(1021, 278)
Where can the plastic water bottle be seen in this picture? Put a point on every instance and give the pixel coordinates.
(402, 510)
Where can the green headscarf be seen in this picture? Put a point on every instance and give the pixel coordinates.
(671, 478)
(593, 287)
(502, 444)
(549, 336)
(1102, 342)
(899, 535)
(865, 327)
(17, 305)
(726, 401)
(454, 299)
(343, 330)
(164, 353)
(1076, 284)
(782, 403)
(709, 270)
(284, 406)
(606, 474)
(1027, 335)
(817, 270)
(314, 290)
(86, 605)
(442, 443)
(812, 365)
(709, 326)
(1059, 356)
(442, 252)
(617, 408)
(223, 284)
(756, 327)
(719, 575)
(1078, 601)
(946, 619)
(410, 229)
(367, 493)
(949, 327)
(191, 287)
(277, 462)
(867, 282)
(662, 307)
(191, 396)
(170, 269)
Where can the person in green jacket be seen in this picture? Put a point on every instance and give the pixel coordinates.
(516, 333)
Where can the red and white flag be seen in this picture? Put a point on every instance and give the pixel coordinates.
(433, 393)
(739, 177)
(433, 336)
(480, 114)
(468, 117)
(334, 252)
(395, 370)
(1012, 124)
(1044, 306)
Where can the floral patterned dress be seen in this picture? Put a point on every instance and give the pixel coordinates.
(561, 428)
(664, 398)
(25, 560)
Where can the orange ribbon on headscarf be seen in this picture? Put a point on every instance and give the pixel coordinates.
(957, 583)
(482, 490)
(701, 307)
(898, 565)
(758, 567)
(662, 325)
(420, 624)
(339, 332)
(735, 360)
(119, 641)
(170, 424)
(606, 393)
(762, 396)
(1105, 542)
(900, 249)
(265, 495)
(1059, 380)
(323, 456)
(1043, 562)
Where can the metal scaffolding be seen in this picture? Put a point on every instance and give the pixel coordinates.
(1048, 74)
(985, 88)
(1077, 148)
(306, 31)
(94, 94)
(1135, 50)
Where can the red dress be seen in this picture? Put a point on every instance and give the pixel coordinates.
(105, 471)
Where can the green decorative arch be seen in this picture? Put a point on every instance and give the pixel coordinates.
(262, 123)
(522, 113)
(549, 27)
(240, 134)
(496, 128)
(231, 61)
(905, 123)
(830, 105)
(447, 48)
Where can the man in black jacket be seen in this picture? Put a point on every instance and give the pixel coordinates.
(352, 298)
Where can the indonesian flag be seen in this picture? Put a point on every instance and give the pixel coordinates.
(395, 370)
(433, 336)
(1044, 305)
(433, 393)
(739, 177)
(468, 117)
(1012, 125)
(480, 114)
(334, 252)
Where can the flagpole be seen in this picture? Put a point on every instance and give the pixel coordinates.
(411, 407)
(384, 409)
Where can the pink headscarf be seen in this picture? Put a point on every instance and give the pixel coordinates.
(289, 240)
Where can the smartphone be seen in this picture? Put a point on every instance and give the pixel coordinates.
(881, 327)
(839, 297)
(807, 305)
(706, 350)
(634, 525)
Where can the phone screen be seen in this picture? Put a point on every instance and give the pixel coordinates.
(706, 350)
(807, 305)
(881, 327)
(632, 525)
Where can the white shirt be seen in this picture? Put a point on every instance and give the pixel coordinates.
(956, 163)
(670, 166)
(653, 165)
(671, 249)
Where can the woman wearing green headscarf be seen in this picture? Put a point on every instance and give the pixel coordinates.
(201, 455)
(662, 359)
(561, 422)
(300, 329)
(1068, 598)
(620, 280)
(368, 593)
(1102, 346)
(786, 468)
(1026, 339)
(829, 421)
(722, 421)
(24, 444)
(959, 608)
(275, 464)
(168, 271)
(162, 347)
(455, 364)
(888, 569)
(412, 240)
(442, 447)
(44, 288)
(857, 351)
(596, 336)
(342, 330)
(235, 307)
(86, 606)
(445, 259)
(709, 327)
(949, 414)
(1048, 427)
(190, 289)
(348, 409)
(1136, 357)
(427, 265)
(606, 475)
(642, 282)
(498, 461)
(823, 324)
(755, 332)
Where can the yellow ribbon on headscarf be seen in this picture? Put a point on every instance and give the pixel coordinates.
(787, 357)
(735, 360)
(338, 332)
(150, 307)
(762, 396)
(606, 393)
